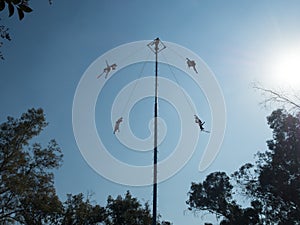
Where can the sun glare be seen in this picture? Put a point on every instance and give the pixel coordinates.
(285, 68)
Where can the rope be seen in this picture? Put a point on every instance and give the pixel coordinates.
(184, 94)
(184, 58)
(136, 83)
(131, 54)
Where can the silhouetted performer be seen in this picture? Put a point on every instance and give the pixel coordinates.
(117, 125)
(108, 69)
(200, 123)
(191, 63)
(156, 43)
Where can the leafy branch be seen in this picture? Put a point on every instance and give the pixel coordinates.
(4, 34)
(21, 6)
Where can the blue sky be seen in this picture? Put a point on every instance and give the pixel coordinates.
(239, 40)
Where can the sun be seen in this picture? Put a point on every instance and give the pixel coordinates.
(285, 68)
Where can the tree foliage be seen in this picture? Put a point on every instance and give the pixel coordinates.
(4, 34)
(276, 183)
(272, 184)
(127, 211)
(215, 195)
(21, 7)
(27, 193)
(80, 211)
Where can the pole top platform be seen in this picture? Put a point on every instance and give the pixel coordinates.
(156, 45)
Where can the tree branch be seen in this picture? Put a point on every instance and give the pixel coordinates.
(277, 97)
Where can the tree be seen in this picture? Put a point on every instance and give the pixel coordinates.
(4, 34)
(78, 211)
(215, 195)
(27, 193)
(118, 211)
(275, 179)
(22, 7)
(272, 184)
(291, 102)
(127, 211)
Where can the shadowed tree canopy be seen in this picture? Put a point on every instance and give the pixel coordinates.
(215, 195)
(274, 180)
(127, 211)
(272, 184)
(27, 193)
(78, 211)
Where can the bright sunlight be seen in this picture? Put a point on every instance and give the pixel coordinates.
(285, 68)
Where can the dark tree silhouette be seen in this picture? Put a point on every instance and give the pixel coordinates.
(80, 211)
(127, 211)
(21, 6)
(4, 34)
(214, 195)
(272, 184)
(274, 180)
(27, 193)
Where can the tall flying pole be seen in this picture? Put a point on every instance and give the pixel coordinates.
(158, 46)
(155, 137)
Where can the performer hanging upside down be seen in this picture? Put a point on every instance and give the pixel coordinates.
(155, 43)
(200, 123)
(107, 69)
(191, 63)
(117, 125)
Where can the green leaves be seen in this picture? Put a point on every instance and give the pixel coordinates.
(21, 6)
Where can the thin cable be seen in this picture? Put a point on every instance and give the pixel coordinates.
(136, 83)
(184, 58)
(131, 54)
(174, 75)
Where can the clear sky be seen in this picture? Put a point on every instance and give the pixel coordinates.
(241, 41)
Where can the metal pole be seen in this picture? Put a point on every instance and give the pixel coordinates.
(155, 139)
(158, 46)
